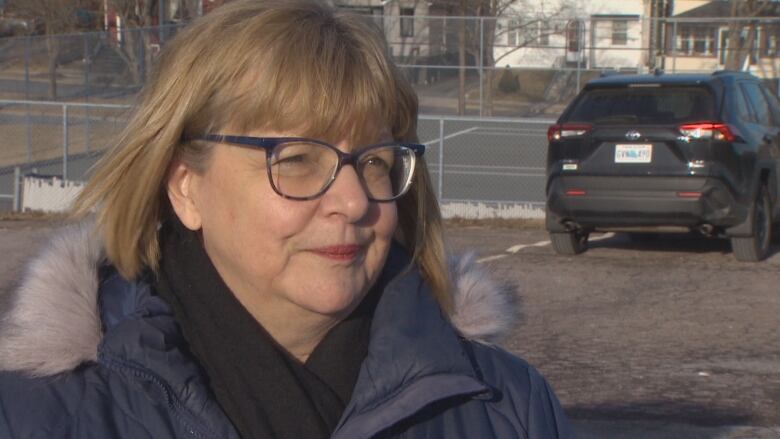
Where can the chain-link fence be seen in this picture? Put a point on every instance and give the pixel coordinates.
(479, 68)
(52, 138)
(93, 66)
(507, 66)
(479, 166)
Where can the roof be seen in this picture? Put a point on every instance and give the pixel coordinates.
(663, 78)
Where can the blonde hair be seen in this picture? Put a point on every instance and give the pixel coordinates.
(284, 65)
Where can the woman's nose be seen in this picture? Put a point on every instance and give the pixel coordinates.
(346, 196)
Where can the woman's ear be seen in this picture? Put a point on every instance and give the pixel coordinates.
(181, 188)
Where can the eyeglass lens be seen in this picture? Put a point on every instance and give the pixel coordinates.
(305, 169)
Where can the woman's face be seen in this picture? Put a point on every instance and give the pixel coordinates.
(317, 256)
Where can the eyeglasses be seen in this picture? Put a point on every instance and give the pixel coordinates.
(303, 169)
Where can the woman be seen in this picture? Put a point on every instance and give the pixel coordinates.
(266, 261)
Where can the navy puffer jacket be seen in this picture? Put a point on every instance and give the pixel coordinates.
(86, 354)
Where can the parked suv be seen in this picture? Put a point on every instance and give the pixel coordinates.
(666, 152)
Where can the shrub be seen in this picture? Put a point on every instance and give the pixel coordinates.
(508, 82)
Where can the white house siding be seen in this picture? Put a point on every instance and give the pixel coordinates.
(596, 49)
(387, 15)
(607, 53)
(407, 46)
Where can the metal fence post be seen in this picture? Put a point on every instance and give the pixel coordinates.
(161, 21)
(674, 47)
(27, 96)
(64, 141)
(27, 67)
(142, 52)
(579, 63)
(481, 64)
(441, 157)
(17, 189)
(87, 68)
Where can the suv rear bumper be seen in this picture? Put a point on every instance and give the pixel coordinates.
(611, 201)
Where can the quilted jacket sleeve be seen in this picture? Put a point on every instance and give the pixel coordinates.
(522, 397)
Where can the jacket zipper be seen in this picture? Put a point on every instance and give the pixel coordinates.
(174, 405)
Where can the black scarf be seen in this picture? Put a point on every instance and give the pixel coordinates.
(264, 391)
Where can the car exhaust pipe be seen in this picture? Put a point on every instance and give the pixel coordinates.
(706, 229)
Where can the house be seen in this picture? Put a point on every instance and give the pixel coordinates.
(592, 34)
(405, 24)
(698, 38)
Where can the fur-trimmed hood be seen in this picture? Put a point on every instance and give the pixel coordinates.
(53, 323)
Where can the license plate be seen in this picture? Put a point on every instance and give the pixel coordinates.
(633, 153)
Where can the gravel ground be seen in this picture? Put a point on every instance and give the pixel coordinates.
(665, 337)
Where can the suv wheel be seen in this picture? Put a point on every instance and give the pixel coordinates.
(569, 243)
(756, 247)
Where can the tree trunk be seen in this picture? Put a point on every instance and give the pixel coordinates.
(488, 63)
(128, 53)
(739, 52)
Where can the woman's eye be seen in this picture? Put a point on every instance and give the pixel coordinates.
(377, 161)
(295, 165)
(292, 159)
(376, 164)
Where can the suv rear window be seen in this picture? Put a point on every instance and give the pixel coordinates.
(644, 105)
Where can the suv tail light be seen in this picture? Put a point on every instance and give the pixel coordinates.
(563, 131)
(707, 130)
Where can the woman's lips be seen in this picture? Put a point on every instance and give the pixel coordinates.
(339, 252)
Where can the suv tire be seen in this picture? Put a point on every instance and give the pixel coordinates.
(569, 243)
(755, 248)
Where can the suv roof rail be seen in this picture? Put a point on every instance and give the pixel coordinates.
(729, 72)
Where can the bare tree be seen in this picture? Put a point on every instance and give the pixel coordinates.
(477, 38)
(742, 31)
(55, 17)
(137, 17)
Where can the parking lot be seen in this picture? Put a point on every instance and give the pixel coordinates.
(663, 338)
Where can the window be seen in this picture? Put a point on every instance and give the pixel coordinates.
(619, 32)
(758, 103)
(774, 105)
(573, 36)
(644, 105)
(511, 33)
(407, 22)
(544, 33)
(743, 113)
(684, 41)
(696, 41)
(771, 44)
(703, 41)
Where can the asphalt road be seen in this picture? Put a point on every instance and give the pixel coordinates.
(663, 338)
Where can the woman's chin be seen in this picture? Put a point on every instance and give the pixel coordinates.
(336, 302)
